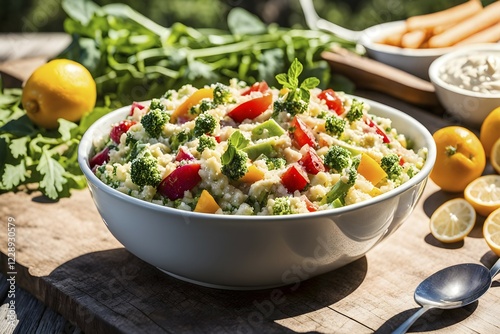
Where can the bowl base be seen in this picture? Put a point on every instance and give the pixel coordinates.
(219, 286)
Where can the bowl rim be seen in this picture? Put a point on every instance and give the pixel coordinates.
(466, 50)
(368, 40)
(85, 147)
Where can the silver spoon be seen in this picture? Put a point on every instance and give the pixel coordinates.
(451, 287)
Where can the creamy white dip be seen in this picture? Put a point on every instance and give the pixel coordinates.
(477, 72)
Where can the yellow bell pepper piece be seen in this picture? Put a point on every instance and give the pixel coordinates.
(206, 203)
(252, 175)
(194, 99)
(370, 169)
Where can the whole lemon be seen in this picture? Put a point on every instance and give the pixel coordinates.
(490, 130)
(61, 88)
(460, 158)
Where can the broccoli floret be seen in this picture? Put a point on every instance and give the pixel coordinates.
(154, 121)
(292, 107)
(204, 124)
(356, 111)
(390, 164)
(336, 195)
(236, 167)
(337, 158)
(202, 107)
(222, 94)
(334, 125)
(136, 149)
(156, 104)
(179, 139)
(144, 170)
(412, 171)
(169, 94)
(282, 206)
(205, 142)
(130, 140)
(275, 163)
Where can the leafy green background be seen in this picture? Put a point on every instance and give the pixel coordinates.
(47, 15)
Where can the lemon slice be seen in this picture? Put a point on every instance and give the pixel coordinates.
(491, 231)
(495, 156)
(484, 194)
(453, 220)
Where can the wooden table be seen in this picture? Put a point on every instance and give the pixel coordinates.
(69, 261)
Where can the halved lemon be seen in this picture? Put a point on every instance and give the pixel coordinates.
(495, 156)
(484, 194)
(491, 231)
(453, 220)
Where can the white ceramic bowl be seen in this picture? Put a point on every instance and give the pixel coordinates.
(253, 252)
(465, 106)
(413, 61)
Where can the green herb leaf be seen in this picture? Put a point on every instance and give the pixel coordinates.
(13, 175)
(241, 22)
(53, 175)
(79, 10)
(66, 129)
(18, 147)
(238, 140)
(19, 127)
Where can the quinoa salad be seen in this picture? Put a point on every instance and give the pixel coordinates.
(241, 149)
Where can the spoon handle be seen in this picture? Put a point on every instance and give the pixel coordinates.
(495, 269)
(407, 324)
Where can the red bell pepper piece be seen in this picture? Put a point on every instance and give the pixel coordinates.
(256, 87)
(119, 129)
(302, 134)
(183, 178)
(251, 109)
(295, 178)
(333, 101)
(311, 162)
(378, 130)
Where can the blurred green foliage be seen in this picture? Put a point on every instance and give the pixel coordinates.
(47, 15)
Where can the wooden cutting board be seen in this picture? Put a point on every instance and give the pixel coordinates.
(373, 75)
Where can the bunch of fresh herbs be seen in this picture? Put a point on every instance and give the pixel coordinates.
(132, 58)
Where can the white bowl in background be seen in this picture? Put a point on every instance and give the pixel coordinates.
(254, 252)
(413, 61)
(465, 106)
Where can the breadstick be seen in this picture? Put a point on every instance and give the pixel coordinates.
(414, 39)
(444, 17)
(488, 35)
(394, 39)
(480, 21)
